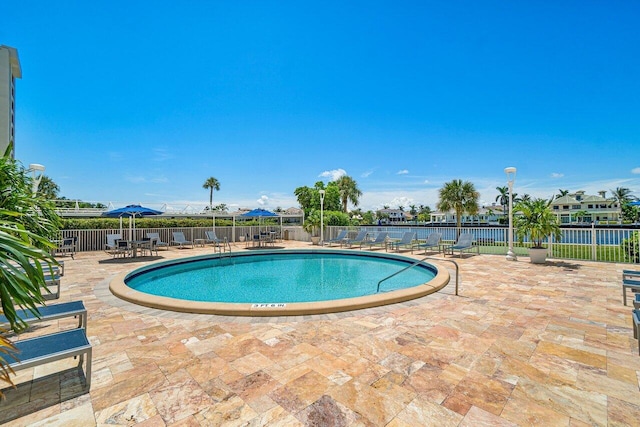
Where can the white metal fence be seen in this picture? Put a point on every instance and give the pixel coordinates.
(595, 244)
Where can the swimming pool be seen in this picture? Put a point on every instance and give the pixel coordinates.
(282, 282)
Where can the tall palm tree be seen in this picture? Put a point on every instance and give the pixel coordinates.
(458, 196)
(349, 191)
(561, 193)
(47, 188)
(503, 198)
(211, 184)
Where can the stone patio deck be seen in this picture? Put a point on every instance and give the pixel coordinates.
(522, 345)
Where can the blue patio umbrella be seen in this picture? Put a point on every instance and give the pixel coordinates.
(131, 211)
(259, 213)
(635, 203)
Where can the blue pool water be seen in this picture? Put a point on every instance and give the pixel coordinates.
(278, 278)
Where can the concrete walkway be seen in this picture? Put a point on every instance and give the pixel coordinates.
(544, 345)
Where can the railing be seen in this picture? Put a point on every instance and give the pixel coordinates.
(418, 262)
(593, 244)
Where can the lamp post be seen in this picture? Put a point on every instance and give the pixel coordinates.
(321, 217)
(511, 177)
(34, 168)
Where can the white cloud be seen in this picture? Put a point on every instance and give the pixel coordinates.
(426, 181)
(557, 175)
(160, 155)
(263, 201)
(403, 172)
(366, 174)
(334, 174)
(635, 170)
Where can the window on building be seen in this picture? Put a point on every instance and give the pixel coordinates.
(575, 207)
(565, 207)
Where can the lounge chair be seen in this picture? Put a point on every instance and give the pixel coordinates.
(52, 312)
(339, 238)
(212, 238)
(433, 242)
(634, 285)
(157, 243)
(464, 243)
(179, 239)
(362, 235)
(380, 240)
(635, 316)
(406, 241)
(50, 348)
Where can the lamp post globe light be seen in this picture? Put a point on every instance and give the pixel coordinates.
(321, 217)
(511, 177)
(34, 168)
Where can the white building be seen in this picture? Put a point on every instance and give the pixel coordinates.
(590, 208)
(9, 71)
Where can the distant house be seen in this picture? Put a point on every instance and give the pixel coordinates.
(591, 208)
(388, 216)
(489, 215)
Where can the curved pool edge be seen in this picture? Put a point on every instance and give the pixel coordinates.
(119, 288)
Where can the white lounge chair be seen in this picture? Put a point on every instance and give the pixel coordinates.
(179, 239)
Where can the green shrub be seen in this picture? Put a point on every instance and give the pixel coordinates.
(631, 247)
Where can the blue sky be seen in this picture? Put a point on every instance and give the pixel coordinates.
(142, 101)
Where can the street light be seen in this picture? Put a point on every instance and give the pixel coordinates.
(511, 177)
(321, 216)
(34, 168)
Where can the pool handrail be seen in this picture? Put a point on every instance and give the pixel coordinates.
(418, 262)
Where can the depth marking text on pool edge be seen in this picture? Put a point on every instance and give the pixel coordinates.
(269, 305)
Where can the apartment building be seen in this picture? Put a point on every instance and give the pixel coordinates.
(9, 72)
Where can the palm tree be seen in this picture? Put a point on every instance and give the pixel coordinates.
(458, 196)
(47, 188)
(622, 195)
(503, 198)
(349, 191)
(211, 184)
(561, 193)
(27, 224)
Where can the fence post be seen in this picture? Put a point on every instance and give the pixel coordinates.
(594, 243)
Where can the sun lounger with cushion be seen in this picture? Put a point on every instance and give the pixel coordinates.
(50, 348)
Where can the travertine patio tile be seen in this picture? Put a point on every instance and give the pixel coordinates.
(521, 345)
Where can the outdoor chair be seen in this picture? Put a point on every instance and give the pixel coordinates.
(339, 238)
(464, 243)
(362, 235)
(50, 348)
(52, 312)
(433, 242)
(66, 246)
(179, 239)
(380, 240)
(157, 243)
(406, 241)
(112, 243)
(212, 238)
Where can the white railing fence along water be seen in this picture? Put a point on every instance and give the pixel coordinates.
(593, 244)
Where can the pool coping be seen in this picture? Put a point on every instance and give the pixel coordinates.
(119, 288)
